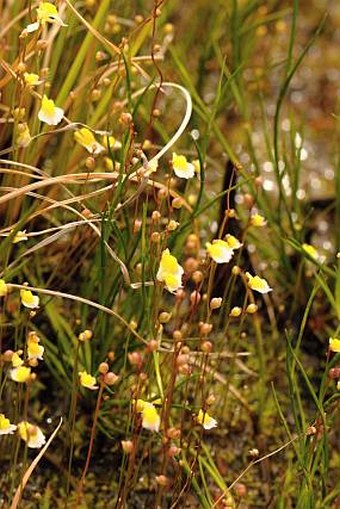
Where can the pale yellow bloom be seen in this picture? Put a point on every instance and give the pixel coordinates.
(6, 428)
(257, 220)
(313, 253)
(46, 13)
(21, 374)
(111, 143)
(28, 299)
(334, 345)
(182, 168)
(3, 288)
(150, 418)
(170, 272)
(31, 434)
(32, 79)
(232, 241)
(16, 359)
(206, 420)
(49, 112)
(220, 251)
(24, 137)
(258, 284)
(34, 350)
(20, 236)
(88, 381)
(86, 139)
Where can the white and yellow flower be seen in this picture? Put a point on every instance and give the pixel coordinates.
(46, 13)
(49, 112)
(31, 79)
(6, 428)
(34, 350)
(182, 168)
(257, 220)
(150, 417)
(86, 139)
(220, 251)
(28, 299)
(21, 374)
(170, 272)
(233, 242)
(20, 236)
(206, 420)
(258, 284)
(313, 253)
(31, 434)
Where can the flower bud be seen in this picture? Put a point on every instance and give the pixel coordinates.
(216, 303)
(110, 378)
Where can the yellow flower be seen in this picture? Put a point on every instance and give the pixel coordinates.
(150, 418)
(20, 237)
(170, 272)
(334, 345)
(31, 434)
(87, 380)
(220, 251)
(111, 143)
(49, 112)
(233, 242)
(258, 284)
(46, 13)
(313, 253)
(87, 140)
(34, 350)
(31, 79)
(3, 288)
(16, 360)
(206, 420)
(182, 168)
(6, 428)
(21, 374)
(23, 138)
(257, 220)
(28, 299)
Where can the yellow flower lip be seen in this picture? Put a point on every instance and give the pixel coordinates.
(88, 381)
(334, 345)
(182, 168)
(31, 434)
(86, 139)
(220, 251)
(49, 112)
(170, 272)
(206, 420)
(150, 417)
(29, 300)
(258, 284)
(21, 374)
(46, 13)
(6, 428)
(257, 220)
(3, 288)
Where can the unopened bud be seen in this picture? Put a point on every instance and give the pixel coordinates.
(216, 303)
(235, 312)
(111, 378)
(251, 308)
(103, 368)
(164, 317)
(127, 446)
